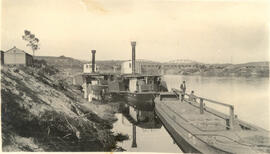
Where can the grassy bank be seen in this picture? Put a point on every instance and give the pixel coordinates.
(41, 112)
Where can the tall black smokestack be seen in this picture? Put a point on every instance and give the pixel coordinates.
(93, 60)
(133, 44)
(134, 142)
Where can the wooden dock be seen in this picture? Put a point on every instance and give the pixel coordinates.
(197, 128)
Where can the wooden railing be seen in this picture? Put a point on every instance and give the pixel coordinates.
(229, 122)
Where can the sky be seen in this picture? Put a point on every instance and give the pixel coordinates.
(205, 31)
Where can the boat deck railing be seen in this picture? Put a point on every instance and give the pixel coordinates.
(229, 121)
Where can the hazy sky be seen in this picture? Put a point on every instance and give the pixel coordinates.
(204, 31)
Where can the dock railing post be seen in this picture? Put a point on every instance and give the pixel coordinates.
(231, 117)
(201, 106)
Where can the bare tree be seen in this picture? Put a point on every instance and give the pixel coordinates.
(33, 41)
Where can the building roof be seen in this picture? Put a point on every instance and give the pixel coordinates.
(17, 50)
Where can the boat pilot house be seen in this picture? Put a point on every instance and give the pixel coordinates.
(141, 83)
(87, 68)
(126, 67)
(137, 83)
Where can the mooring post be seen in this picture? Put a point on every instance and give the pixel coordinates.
(201, 106)
(231, 117)
(227, 123)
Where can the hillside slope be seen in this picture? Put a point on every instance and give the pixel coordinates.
(63, 63)
(41, 113)
(73, 66)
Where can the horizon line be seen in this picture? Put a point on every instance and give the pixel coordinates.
(192, 61)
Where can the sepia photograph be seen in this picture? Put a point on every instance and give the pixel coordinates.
(159, 76)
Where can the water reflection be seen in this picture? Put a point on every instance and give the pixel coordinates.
(142, 116)
(145, 130)
(250, 96)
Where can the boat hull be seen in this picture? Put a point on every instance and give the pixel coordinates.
(184, 139)
(133, 98)
(140, 97)
(117, 97)
(180, 141)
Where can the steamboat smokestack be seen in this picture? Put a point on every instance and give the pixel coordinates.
(133, 44)
(93, 60)
(134, 142)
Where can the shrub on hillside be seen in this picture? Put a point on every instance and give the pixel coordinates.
(45, 68)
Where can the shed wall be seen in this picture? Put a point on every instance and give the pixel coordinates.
(15, 58)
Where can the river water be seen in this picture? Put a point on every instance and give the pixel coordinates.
(250, 97)
(146, 132)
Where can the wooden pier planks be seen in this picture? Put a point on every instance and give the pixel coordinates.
(208, 131)
(191, 114)
(181, 131)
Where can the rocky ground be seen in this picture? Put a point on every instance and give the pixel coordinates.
(41, 112)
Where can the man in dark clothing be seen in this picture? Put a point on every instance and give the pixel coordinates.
(183, 90)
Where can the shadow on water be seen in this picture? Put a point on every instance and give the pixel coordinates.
(145, 130)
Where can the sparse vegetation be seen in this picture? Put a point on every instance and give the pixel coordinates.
(42, 113)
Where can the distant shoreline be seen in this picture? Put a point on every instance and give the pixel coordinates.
(251, 69)
(235, 71)
(218, 76)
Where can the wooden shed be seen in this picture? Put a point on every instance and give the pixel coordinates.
(15, 56)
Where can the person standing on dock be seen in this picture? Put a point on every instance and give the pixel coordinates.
(183, 89)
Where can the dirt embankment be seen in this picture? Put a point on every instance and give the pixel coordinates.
(41, 112)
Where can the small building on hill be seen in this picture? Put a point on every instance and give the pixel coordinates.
(15, 56)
